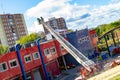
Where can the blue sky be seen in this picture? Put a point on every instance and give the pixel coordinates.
(17, 6)
(77, 13)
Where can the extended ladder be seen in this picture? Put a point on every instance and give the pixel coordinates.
(69, 47)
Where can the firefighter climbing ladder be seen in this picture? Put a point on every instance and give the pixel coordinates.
(69, 47)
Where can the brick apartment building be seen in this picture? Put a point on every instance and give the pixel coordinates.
(56, 23)
(12, 28)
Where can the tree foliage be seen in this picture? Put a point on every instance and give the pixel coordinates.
(106, 27)
(3, 49)
(29, 38)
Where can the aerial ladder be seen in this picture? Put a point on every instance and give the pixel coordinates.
(83, 60)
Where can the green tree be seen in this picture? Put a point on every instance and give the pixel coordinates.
(29, 38)
(33, 37)
(115, 24)
(97, 31)
(3, 49)
(102, 29)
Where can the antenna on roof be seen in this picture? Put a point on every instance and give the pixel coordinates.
(2, 8)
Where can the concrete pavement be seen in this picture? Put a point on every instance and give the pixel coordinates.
(107, 74)
(70, 74)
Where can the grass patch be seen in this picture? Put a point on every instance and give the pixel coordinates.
(116, 77)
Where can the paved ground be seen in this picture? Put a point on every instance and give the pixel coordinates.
(70, 74)
(107, 74)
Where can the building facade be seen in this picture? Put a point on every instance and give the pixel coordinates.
(83, 40)
(93, 38)
(53, 55)
(56, 23)
(12, 28)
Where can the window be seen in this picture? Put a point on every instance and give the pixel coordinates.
(28, 58)
(46, 51)
(87, 37)
(83, 39)
(11, 23)
(3, 66)
(36, 55)
(53, 50)
(10, 16)
(80, 40)
(28, 75)
(13, 63)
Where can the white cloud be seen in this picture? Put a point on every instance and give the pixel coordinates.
(114, 1)
(76, 16)
(35, 27)
(46, 8)
(105, 14)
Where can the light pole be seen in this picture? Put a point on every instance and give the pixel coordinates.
(20, 61)
(42, 59)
